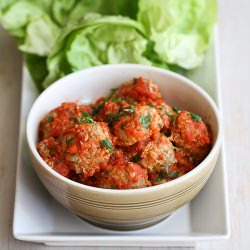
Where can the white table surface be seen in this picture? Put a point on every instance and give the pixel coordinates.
(234, 39)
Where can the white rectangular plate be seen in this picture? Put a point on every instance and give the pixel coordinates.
(39, 218)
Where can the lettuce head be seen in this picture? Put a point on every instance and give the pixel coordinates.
(179, 30)
(96, 40)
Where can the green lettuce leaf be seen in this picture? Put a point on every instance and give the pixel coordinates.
(28, 21)
(60, 37)
(65, 11)
(180, 30)
(97, 40)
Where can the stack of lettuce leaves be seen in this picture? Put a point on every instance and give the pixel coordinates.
(58, 37)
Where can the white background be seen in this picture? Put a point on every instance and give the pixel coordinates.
(234, 39)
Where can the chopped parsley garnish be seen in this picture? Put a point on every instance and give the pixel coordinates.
(123, 126)
(86, 118)
(107, 144)
(129, 110)
(174, 174)
(195, 117)
(175, 148)
(135, 158)
(174, 116)
(97, 108)
(177, 110)
(117, 99)
(52, 150)
(169, 114)
(145, 121)
(50, 119)
(113, 90)
(165, 166)
(135, 80)
(112, 117)
(160, 177)
(69, 140)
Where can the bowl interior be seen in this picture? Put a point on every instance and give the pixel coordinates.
(88, 85)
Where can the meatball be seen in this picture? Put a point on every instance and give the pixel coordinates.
(166, 113)
(165, 175)
(51, 152)
(87, 147)
(190, 133)
(138, 90)
(129, 176)
(117, 158)
(138, 125)
(133, 152)
(157, 154)
(111, 110)
(184, 160)
(60, 119)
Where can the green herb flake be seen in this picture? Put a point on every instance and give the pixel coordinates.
(135, 80)
(169, 114)
(86, 118)
(113, 90)
(195, 117)
(145, 121)
(112, 117)
(50, 119)
(176, 148)
(123, 126)
(117, 99)
(160, 177)
(107, 144)
(173, 116)
(70, 140)
(80, 120)
(52, 150)
(166, 167)
(135, 158)
(129, 110)
(150, 105)
(96, 109)
(174, 174)
(176, 110)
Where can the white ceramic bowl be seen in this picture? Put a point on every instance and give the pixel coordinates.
(124, 209)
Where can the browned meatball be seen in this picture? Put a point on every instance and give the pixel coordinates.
(87, 147)
(112, 110)
(184, 160)
(60, 119)
(157, 154)
(167, 114)
(138, 90)
(129, 176)
(138, 125)
(51, 152)
(167, 174)
(190, 133)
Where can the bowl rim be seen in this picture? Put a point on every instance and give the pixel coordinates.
(216, 147)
